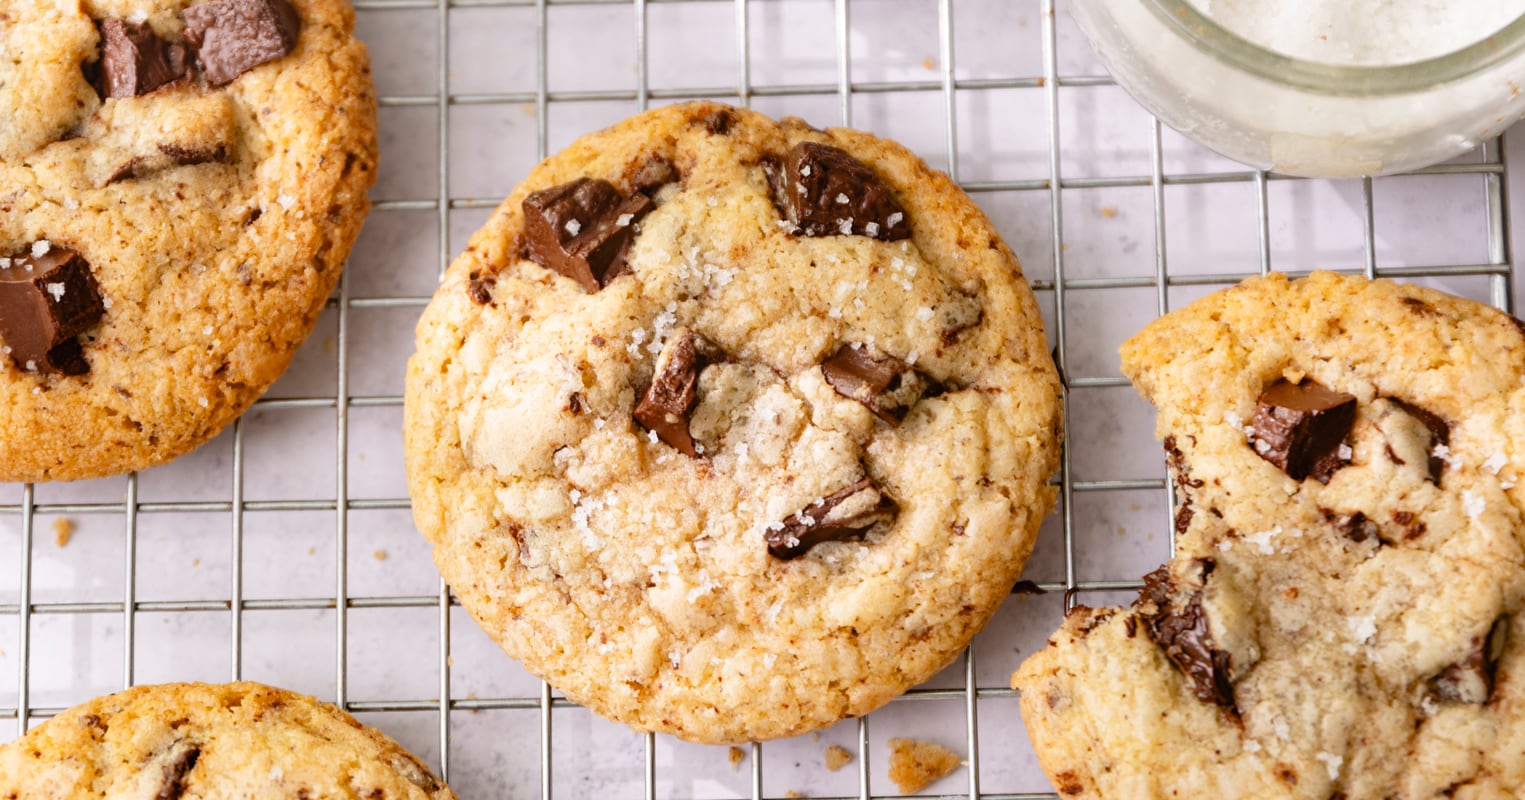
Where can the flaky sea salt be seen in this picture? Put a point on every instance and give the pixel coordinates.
(1472, 504)
(925, 314)
(573, 226)
(57, 290)
(623, 220)
(41, 247)
(286, 200)
(1495, 463)
(1362, 629)
(1332, 762)
(843, 199)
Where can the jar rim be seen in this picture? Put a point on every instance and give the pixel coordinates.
(1208, 36)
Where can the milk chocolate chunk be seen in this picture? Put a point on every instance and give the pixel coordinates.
(232, 37)
(844, 514)
(46, 300)
(1300, 428)
(1471, 680)
(134, 60)
(583, 230)
(823, 191)
(1440, 434)
(1179, 626)
(666, 404)
(884, 383)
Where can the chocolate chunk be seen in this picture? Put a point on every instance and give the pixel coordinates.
(1181, 630)
(720, 122)
(232, 37)
(823, 191)
(667, 402)
(134, 60)
(1440, 434)
(179, 760)
(1413, 527)
(841, 515)
(1355, 526)
(583, 230)
(884, 383)
(46, 300)
(480, 290)
(1471, 680)
(1027, 587)
(654, 173)
(1300, 428)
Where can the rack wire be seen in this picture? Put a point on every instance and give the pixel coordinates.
(486, 760)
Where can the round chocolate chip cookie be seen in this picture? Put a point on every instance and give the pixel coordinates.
(195, 740)
(1342, 615)
(182, 182)
(731, 428)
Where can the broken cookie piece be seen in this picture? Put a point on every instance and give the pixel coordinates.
(821, 190)
(134, 60)
(232, 37)
(668, 401)
(583, 230)
(1301, 428)
(1179, 626)
(48, 296)
(883, 383)
(841, 515)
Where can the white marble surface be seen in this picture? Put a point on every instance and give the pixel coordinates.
(394, 654)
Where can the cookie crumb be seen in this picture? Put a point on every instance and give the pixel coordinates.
(63, 531)
(736, 755)
(838, 757)
(793, 793)
(379, 555)
(915, 765)
(1109, 211)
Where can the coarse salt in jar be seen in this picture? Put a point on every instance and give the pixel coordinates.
(1319, 87)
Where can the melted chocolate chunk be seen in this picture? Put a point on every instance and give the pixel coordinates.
(1440, 434)
(178, 762)
(1181, 630)
(883, 383)
(1300, 427)
(46, 301)
(583, 230)
(134, 60)
(844, 514)
(670, 398)
(1471, 680)
(232, 37)
(823, 191)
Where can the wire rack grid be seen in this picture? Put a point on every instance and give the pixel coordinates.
(1006, 98)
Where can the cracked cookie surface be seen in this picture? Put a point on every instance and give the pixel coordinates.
(214, 220)
(194, 740)
(732, 428)
(1341, 618)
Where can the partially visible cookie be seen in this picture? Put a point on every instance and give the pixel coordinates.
(1342, 614)
(182, 183)
(731, 428)
(203, 741)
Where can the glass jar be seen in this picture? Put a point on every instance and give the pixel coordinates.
(1302, 117)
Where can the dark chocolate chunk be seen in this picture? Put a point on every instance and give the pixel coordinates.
(46, 300)
(654, 173)
(1180, 629)
(186, 156)
(1471, 680)
(232, 37)
(583, 230)
(667, 402)
(1027, 587)
(843, 514)
(1413, 526)
(179, 760)
(134, 60)
(720, 122)
(823, 191)
(1300, 427)
(883, 383)
(1355, 526)
(480, 290)
(1440, 434)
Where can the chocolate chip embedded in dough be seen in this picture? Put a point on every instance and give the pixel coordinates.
(231, 37)
(1471, 679)
(883, 383)
(134, 60)
(654, 173)
(1354, 526)
(583, 230)
(48, 296)
(177, 763)
(823, 191)
(668, 401)
(844, 514)
(1440, 435)
(1179, 626)
(1301, 427)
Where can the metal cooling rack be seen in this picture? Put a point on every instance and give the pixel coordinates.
(258, 612)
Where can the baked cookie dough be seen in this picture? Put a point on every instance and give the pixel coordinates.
(182, 182)
(1341, 618)
(202, 741)
(731, 428)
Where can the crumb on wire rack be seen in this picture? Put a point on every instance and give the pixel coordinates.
(915, 765)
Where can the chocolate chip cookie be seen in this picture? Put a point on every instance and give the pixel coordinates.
(182, 182)
(185, 740)
(731, 428)
(1342, 615)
